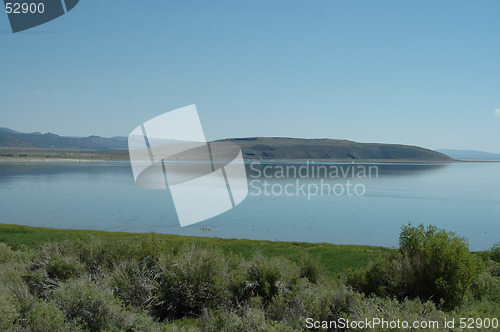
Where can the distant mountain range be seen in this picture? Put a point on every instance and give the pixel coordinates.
(253, 148)
(470, 154)
(15, 139)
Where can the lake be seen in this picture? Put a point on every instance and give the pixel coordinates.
(334, 203)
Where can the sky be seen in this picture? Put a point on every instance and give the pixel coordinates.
(424, 73)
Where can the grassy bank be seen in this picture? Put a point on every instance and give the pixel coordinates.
(332, 258)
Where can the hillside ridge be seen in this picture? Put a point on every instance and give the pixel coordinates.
(253, 148)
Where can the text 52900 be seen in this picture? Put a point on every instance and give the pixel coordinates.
(24, 8)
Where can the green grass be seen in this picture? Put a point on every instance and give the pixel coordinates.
(332, 258)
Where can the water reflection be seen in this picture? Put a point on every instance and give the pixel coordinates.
(311, 169)
(103, 196)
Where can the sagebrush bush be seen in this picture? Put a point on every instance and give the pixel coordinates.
(46, 316)
(249, 319)
(152, 248)
(310, 268)
(6, 253)
(486, 287)
(221, 320)
(327, 301)
(478, 309)
(495, 269)
(63, 268)
(52, 264)
(100, 255)
(394, 310)
(15, 299)
(375, 279)
(289, 307)
(268, 277)
(195, 279)
(8, 310)
(330, 300)
(494, 252)
(89, 307)
(254, 319)
(81, 300)
(136, 283)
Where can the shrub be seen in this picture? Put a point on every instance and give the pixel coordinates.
(15, 299)
(431, 264)
(46, 317)
(268, 277)
(52, 264)
(83, 302)
(486, 287)
(324, 301)
(195, 279)
(373, 280)
(6, 253)
(221, 320)
(126, 320)
(494, 253)
(329, 301)
(62, 268)
(254, 319)
(495, 269)
(394, 310)
(100, 255)
(288, 307)
(135, 283)
(250, 319)
(309, 269)
(447, 267)
(152, 247)
(9, 311)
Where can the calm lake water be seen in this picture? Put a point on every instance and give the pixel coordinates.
(352, 209)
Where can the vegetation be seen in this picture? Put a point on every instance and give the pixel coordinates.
(332, 258)
(431, 264)
(56, 280)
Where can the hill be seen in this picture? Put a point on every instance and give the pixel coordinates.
(48, 146)
(279, 148)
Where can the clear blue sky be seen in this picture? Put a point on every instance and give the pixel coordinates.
(415, 72)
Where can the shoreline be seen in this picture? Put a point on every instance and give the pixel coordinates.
(13, 228)
(319, 161)
(208, 238)
(15, 155)
(54, 160)
(342, 161)
(336, 257)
